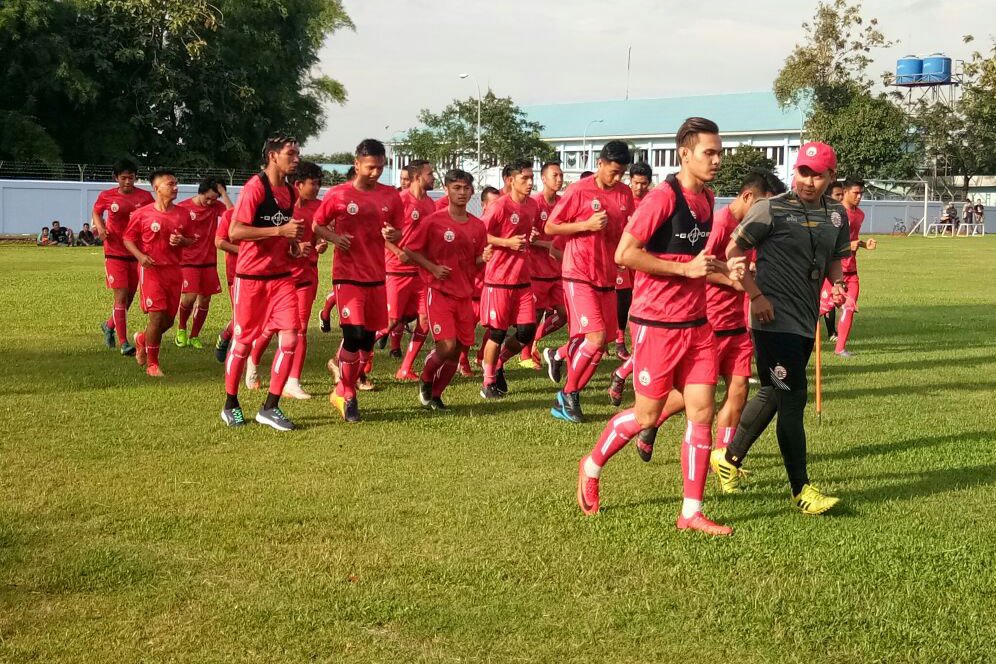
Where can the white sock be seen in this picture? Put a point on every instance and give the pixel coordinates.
(292, 384)
(591, 469)
(689, 506)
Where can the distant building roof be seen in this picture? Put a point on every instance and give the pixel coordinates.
(744, 112)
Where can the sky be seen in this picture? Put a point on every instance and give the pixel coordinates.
(406, 55)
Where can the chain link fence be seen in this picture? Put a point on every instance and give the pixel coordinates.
(36, 170)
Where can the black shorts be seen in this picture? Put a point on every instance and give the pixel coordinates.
(782, 359)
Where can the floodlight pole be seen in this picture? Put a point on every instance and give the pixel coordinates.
(584, 140)
(478, 122)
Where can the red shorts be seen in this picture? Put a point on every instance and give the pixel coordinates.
(121, 273)
(264, 306)
(450, 317)
(201, 279)
(476, 303)
(549, 293)
(365, 306)
(624, 279)
(733, 354)
(501, 308)
(306, 294)
(666, 358)
(590, 309)
(161, 289)
(404, 295)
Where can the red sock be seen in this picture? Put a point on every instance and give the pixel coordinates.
(366, 362)
(200, 315)
(464, 360)
(578, 373)
(414, 346)
(489, 374)
(443, 378)
(619, 431)
(259, 347)
(234, 365)
(184, 315)
(397, 333)
(329, 304)
(844, 327)
(229, 330)
(620, 337)
(152, 353)
(625, 369)
(567, 351)
(724, 435)
(695, 459)
(299, 354)
(120, 324)
(526, 352)
(551, 324)
(505, 355)
(432, 365)
(283, 362)
(349, 369)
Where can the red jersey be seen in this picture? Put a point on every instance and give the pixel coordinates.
(724, 305)
(541, 264)
(361, 215)
(305, 211)
(118, 208)
(666, 236)
(455, 244)
(150, 229)
(230, 259)
(263, 205)
(590, 256)
(443, 203)
(855, 218)
(204, 225)
(506, 218)
(415, 209)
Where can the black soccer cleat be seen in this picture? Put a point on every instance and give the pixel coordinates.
(425, 393)
(553, 365)
(352, 410)
(645, 444)
(500, 383)
(490, 392)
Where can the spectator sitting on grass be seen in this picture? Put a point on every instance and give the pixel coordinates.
(86, 238)
(59, 235)
(43, 238)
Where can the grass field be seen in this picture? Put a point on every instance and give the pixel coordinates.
(135, 527)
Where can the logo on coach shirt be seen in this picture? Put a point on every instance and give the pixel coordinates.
(352, 208)
(449, 236)
(115, 207)
(835, 219)
(345, 312)
(514, 218)
(644, 378)
(780, 372)
(596, 204)
(437, 329)
(415, 215)
(154, 227)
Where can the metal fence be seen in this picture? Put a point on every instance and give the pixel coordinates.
(36, 170)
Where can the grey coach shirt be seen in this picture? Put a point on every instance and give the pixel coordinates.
(795, 246)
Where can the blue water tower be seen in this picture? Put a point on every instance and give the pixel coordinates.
(937, 68)
(909, 70)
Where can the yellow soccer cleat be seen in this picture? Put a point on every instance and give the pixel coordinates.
(730, 477)
(812, 501)
(528, 363)
(338, 402)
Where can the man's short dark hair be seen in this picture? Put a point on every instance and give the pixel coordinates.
(55, 223)
(548, 164)
(586, 174)
(370, 147)
(616, 152)
(688, 132)
(458, 175)
(488, 191)
(415, 168)
(86, 225)
(516, 166)
(308, 170)
(124, 166)
(208, 184)
(641, 168)
(836, 184)
(506, 171)
(853, 182)
(775, 185)
(350, 173)
(160, 173)
(755, 181)
(276, 143)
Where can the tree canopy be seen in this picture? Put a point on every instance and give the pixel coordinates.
(736, 166)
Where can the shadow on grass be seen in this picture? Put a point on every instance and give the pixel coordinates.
(875, 449)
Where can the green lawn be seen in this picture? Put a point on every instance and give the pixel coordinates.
(135, 527)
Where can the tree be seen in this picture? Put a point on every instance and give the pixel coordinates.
(828, 76)
(735, 168)
(333, 158)
(449, 138)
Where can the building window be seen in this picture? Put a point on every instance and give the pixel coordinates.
(777, 155)
(573, 159)
(663, 158)
(639, 156)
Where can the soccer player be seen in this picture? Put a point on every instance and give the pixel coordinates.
(200, 260)
(156, 236)
(405, 178)
(545, 266)
(405, 288)
(673, 344)
(854, 190)
(591, 214)
(488, 196)
(800, 238)
(223, 242)
(267, 234)
(450, 246)
(640, 176)
(827, 310)
(357, 218)
(120, 267)
(325, 317)
(507, 298)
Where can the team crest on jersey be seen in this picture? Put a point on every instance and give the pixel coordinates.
(115, 207)
(415, 215)
(154, 227)
(514, 218)
(352, 208)
(619, 281)
(584, 321)
(449, 236)
(238, 330)
(779, 372)
(544, 216)
(193, 217)
(345, 312)
(148, 302)
(186, 284)
(644, 378)
(811, 151)
(835, 219)
(596, 204)
(437, 329)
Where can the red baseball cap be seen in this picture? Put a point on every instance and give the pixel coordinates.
(818, 156)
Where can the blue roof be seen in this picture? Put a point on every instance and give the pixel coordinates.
(740, 112)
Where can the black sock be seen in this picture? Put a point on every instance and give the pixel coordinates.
(830, 318)
(232, 401)
(272, 401)
(756, 417)
(792, 436)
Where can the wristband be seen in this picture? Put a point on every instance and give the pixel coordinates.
(756, 296)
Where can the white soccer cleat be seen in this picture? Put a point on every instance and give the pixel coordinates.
(252, 379)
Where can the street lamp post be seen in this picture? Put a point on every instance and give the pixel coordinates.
(584, 140)
(478, 122)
